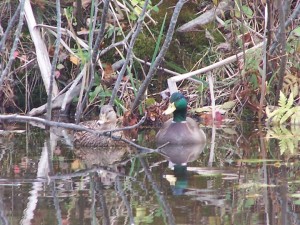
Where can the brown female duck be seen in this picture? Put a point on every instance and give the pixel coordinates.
(107, 121)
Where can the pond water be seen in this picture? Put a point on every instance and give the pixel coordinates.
(243, 175)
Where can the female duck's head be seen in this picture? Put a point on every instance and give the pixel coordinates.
(107, 117)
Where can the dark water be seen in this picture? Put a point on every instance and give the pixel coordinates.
(243, 175)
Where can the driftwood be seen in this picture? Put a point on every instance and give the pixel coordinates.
(206, 17)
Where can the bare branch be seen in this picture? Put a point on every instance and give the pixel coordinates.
(288, 22)
(282, 52)
(129, 52)
(54, 60)
(160, 56)
(15, 44)
(9, 27)
(24, 119)
(94, 59)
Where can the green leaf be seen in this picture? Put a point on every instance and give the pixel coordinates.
(137, 10)
(94, 93)
(132, 16)
(248, 11)
(296, 195)
(295, 118)
(249, 202)
(155, 8)
(297, 202)
(282, 99)
(290, 101)
(60, 66)
(286, 116)
(134, 2)
(296, 31)
(159, 39)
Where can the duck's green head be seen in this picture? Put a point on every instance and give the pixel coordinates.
(177, 106)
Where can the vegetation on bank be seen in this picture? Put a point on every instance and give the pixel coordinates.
(232, 64)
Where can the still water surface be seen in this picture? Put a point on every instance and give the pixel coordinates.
(242, 176)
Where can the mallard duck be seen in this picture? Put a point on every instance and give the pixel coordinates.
(107, 121)
(179, 130)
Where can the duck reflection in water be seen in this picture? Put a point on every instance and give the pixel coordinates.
(178, 157)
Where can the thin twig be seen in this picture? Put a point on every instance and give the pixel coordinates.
(129, 53)
(67, 32)
(15, 44)
(292, 18)
(124, 199)
(165, 70)
(123, 42)
(160, 56)
(263, 86)
(98, 41)
(102, 199)
(212, 96)
(9, 27)
(282, 41)
(54, 60)
(52, 184)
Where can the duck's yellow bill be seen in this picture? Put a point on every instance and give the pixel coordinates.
(171, 108)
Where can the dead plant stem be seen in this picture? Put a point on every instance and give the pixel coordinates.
(172, 81)
(282, 40)
(212, 96)
(264, 71)
(74, 84)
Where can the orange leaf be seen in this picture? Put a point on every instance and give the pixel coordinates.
(75, 60)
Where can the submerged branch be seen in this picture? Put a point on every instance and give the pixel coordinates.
(86, 172)
(160, 196)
